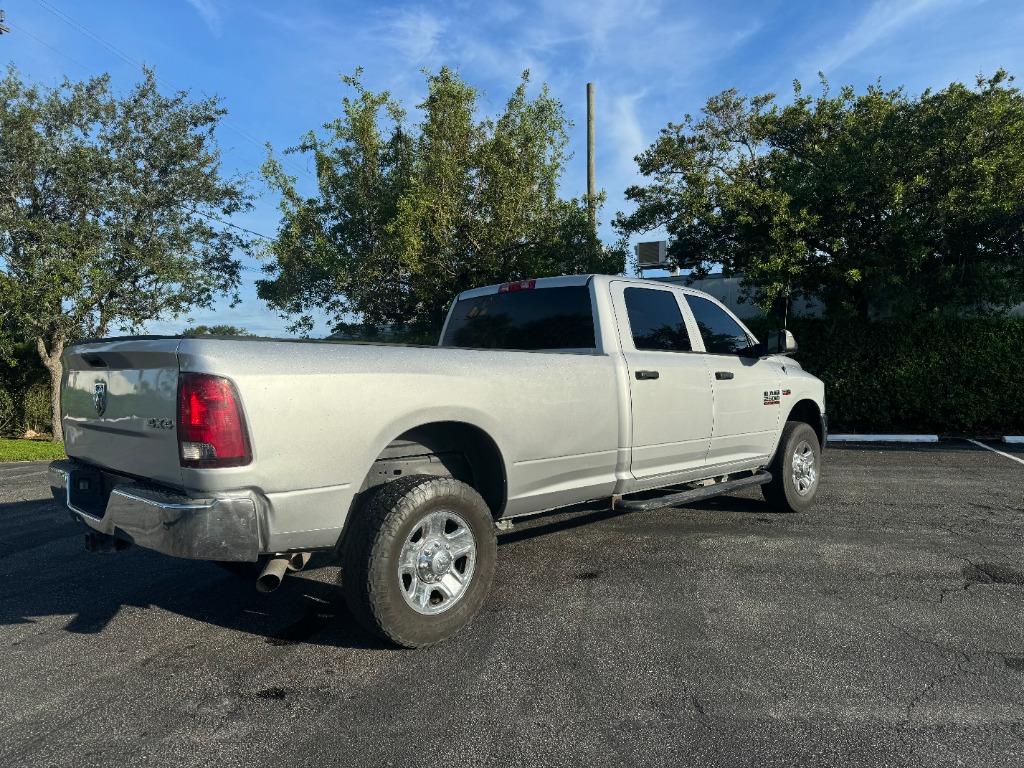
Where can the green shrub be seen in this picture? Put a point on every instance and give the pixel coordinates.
(24, 393)
(36, 407)
(951, 376)
(8, 412)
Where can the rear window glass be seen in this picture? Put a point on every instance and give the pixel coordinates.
(655, 320)
(537, 318)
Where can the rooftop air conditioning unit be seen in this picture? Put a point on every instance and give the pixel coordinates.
(652, 255)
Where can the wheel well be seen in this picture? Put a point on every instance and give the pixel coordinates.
(808, 412)
(448, 449)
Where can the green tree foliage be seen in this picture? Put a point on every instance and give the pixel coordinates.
(105, 207)
(405, 217)
(874, 202)
(215, 330)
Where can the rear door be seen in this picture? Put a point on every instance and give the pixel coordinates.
(119, 405)
(669, 384)
(746, 388)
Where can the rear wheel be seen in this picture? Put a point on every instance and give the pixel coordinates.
(795, 469)
(419, 560)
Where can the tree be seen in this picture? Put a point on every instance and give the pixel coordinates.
(215, 330)
(108, 211)
(873, 202)
(404, 218)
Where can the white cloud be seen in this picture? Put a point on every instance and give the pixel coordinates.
(625, 133)
(883, 19)
(416, 34)
(209, 13)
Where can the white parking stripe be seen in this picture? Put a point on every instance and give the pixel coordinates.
(989, 447)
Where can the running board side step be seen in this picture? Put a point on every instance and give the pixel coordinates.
(694, 494)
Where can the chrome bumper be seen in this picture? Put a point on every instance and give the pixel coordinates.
(222, 528)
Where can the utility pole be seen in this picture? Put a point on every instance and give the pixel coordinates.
(591, 180)
(3, 27)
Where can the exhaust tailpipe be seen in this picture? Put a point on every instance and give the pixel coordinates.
(298, 561)
(273, 573)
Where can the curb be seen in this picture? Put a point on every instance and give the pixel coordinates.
(883, 438)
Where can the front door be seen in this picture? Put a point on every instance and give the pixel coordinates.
(746, 387)
(669, 383)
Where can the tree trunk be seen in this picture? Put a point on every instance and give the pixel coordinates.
(53, 364)
(863, 309)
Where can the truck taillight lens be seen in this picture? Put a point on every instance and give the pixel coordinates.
(211, 432)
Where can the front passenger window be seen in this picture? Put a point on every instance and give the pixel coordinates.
(721, 333)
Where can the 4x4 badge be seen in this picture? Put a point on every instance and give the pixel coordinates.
(99, 397)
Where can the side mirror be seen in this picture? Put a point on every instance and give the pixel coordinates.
(780, 343)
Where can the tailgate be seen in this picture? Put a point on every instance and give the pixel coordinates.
(119, 403)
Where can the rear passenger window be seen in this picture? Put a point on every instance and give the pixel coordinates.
(720, 332)
(531, 319)
(655, 320)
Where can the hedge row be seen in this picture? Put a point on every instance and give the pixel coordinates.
(950, 376)
(24, 394)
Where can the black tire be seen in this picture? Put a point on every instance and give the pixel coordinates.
(370, 558)
(782, 492)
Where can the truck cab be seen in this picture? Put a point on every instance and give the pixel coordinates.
(698, 393)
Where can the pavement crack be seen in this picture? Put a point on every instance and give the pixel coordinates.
(274, 692)
(957, 653)
(697, 706)
(912, 703)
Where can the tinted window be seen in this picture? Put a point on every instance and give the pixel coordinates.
(655, 320)
(720, 332)
(536, 318)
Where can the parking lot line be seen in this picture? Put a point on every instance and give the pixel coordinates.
(989, 447)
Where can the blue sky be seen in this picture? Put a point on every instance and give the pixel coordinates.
(276, 64)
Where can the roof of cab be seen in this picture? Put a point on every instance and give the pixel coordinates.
(568, 280)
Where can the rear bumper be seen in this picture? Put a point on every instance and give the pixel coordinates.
(216, 528)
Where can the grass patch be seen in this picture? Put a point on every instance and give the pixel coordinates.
(30, 450)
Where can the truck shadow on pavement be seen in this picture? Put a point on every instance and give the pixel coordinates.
(48, 573)
(576, 517)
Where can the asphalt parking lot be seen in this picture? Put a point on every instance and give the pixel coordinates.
(884, 627)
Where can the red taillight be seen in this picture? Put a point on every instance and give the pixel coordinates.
(211, 432)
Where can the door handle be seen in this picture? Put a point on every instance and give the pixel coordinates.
(646, 375)
(723, 375)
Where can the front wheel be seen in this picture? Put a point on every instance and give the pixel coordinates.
(419, 560)
(795, 469)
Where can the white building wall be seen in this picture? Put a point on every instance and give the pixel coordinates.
(729, 291)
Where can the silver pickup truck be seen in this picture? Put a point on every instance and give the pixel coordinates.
(403, 460)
